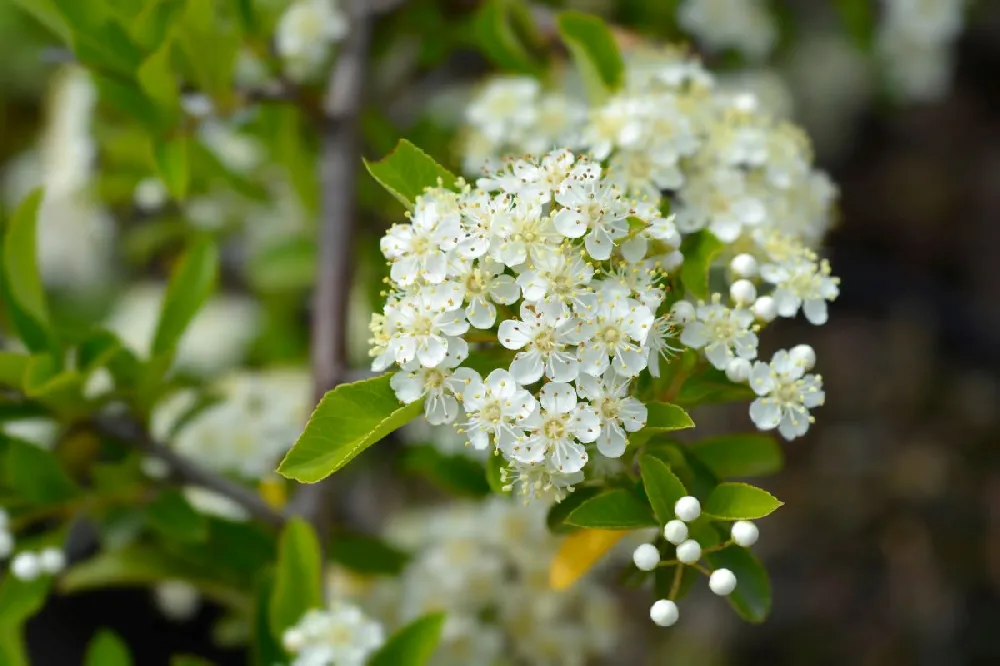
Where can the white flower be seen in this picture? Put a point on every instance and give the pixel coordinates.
(418, 250)
(178, 600)
(440, 384)
(426, 320)
(339, 636)
(496, 408)
(305, 33)
(505, 106)
(523, 234)
(720, 201)
(616, 337)
(558, 284)
(617, 410)
(802, 283)
(486, 283)
(742, 24)
(591, 206)
(786, 395)
(724, 334)
(539, 482)
(556, 432)
(544, 337)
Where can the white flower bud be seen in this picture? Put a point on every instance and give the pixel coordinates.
(687, 508)
(722, 582)
(52, 560)
(646, 557)
(742, 292)
(744, 265)
(25, 566)
(675, 532)
(689, 552)
(738, 370)
(664, 613)
(682, 311)
(803, 355)
(293, 640)
(745, 533)
(6, 543)
(765, 309)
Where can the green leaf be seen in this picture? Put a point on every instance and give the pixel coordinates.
(495, 465)
(455, 474)
(190, 285)
(594, 51)
(694, 474)
(170, 158)
(496, 31)
(752, 597)
(712, 387)
(154, 22)
(21, 280)
(130, 99)
(58, 389)
(662, 417)
(189, 660)
(859, 21)
(366, 555)
(157, 78)
(348, 420)
(749, 454)
(560, 511)
(740, 501)
(407, 171)
(210, 48)
(265, 648)
(172, 516)
(107, 649)
(298, 581)
(35, 475)
(700, 250)
(46, 13)
(19, 601)
(286, 265)
(617, 509)
(412, 645)
(663, 488)
(12, 367)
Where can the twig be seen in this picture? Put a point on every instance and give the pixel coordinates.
(131, 432)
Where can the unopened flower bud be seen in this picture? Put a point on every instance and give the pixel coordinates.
(687, 508)
(764, 309)
(664, 613)
(738, 370)
(689, 552)
(675, 532)
(744, 265)
(646, 557)
(745, 533)
(26, 566)
(803, 355)
(722, 582)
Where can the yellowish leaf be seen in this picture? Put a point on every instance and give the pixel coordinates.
(578, 553)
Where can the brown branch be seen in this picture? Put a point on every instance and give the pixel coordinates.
(132, 433)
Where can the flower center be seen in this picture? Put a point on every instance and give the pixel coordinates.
(475, 283)
(610, 409)
(554, 428)
(545, 341)
(435, 379)
(491, 413)
(422, 325)
(610, 335)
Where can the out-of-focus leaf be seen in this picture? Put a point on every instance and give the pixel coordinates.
(496, 31)
(157, 78)
(170, 158)
(745, 454)
(456, 474)
(594, 51)
(859, 20)
(265, 648)
(412, 645)
(578, 553)
(35, 475)
(48, 14)
(298, 581)
(366, 555)
(190, 285)
(107, 649)
(21, 281)
(286, 265)
(348, 420)
(171, 515)
(407, 171)
(700, 250)
(494, 473)
(12, 367)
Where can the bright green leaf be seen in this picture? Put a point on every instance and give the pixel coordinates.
(46, 12)
(752, 597)
(298, 581)
(700, 250)
(594, 51)
(154, 22)
(663, 488)
(21, 281)
(130, 99)
(107, 649)
(749, 454)
(170, 158)
(496, 32)
(35, 475)
(190, 285)
(662, 417)
(366, 555)
(739, 501)
(616, 509)
(348, 420)
(171, 515)
(157, 79)
(412, 645)
(407, 171)
(12, 367)
(20, 599)
(455, 474)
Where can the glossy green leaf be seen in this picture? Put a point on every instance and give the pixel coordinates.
(171, 515)
(455, 474)
(499, 29)
(35, 475)
(366, 555)
(700, 250)
(739, 501)
(407, 171)
(663, 488)
(745, 454)
(348, 420)
(107, 649)
(21, 281)
(190, 285)
(594, 51)
(560, 511)
(412, 645)
(617, 509)
(662, 417)
(170, 158)
(298, 579)
(712, 387)
(752, 597)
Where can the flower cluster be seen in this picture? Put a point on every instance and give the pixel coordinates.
(339, 636)
(745, 25)
(688, 551)
(487, 567)
(915, 40)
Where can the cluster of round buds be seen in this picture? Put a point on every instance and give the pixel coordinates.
(29, 565)
(688, 552)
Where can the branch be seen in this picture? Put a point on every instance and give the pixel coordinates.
(132, 433)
